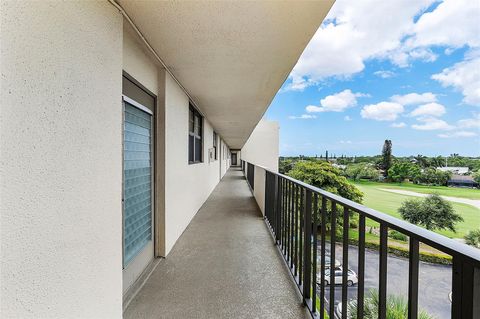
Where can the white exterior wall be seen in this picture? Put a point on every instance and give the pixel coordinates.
(61, 160)
(138, 63)
(261, 147)
(187, 185)
(224, 157)
(259, 188)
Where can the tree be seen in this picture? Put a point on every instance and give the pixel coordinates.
(362, 171)
(476, 177)
(472, 238)
(432, 176)
(386, 156)
(324, 175)
(401, 171)
(432, 212)
(422, 161)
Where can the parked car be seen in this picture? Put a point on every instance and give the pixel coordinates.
(352, 278)
(327, 262)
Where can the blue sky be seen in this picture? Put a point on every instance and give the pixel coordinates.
(369, 75)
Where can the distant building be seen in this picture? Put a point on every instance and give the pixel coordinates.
(340, 166)
(454, 169)
(462, 181)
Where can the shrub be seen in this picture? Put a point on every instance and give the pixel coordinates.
(473, 238)
(397, 235)
(397, 307)
(429, 257)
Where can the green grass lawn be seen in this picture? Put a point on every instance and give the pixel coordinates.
(470, 193)
(389, 203)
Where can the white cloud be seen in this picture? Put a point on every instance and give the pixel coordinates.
(414, 98)
(302, 117)
(431, 123)
(336, 102)
(457, 134)
(383, 111)
(347, 118)
(384, 74)
(432, 109)
(398, 125)
(346, 142)
(469, 123)
(465, 77)
(453, 23)
(357, 31)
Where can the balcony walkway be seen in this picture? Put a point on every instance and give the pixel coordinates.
(223, 266)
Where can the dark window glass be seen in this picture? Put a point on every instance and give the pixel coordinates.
(215, 145)
(190, 121)
(191, 144)
(195, 138)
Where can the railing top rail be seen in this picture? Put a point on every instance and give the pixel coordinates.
(428, 237)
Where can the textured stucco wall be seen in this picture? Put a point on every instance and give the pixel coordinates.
(138, 63)
(61, 160)
(261, 147)
(186, 186)
(259, 188)
(224, 158)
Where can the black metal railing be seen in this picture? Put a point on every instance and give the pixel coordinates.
(296, 213)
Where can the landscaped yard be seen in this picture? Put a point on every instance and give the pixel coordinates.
(389, 203)
(469, 193)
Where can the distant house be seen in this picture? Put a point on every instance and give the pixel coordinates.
(462, 181)
(454, 169)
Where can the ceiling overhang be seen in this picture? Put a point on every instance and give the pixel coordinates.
(230, 56)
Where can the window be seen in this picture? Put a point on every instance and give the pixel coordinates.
(215, 138)
(195, 137)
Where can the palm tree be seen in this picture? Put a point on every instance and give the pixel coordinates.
(397, 308)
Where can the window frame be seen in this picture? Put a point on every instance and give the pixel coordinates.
(215, 143)
(197, 138)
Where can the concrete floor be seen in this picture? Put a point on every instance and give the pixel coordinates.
(225, 265)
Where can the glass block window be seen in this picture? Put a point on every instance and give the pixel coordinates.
(137, 186)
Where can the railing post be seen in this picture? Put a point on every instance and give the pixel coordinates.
(278, 208)
(307, 252)
(382, 285)
(413, 278)
(465, 289)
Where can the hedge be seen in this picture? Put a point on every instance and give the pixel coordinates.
(402, 252)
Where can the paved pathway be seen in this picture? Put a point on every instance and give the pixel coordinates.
(225, 265)
(471, 202)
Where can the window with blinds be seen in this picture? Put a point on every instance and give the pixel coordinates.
(137, 176)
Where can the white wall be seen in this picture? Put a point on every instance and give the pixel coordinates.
(224, 157)
(261, 147)
(139, 64)
(137, 61)
(61, 160)
(187, 185)
(259, 187)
